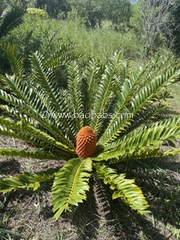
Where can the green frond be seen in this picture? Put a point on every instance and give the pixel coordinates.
(9, 98)
(45, 79)
(12, 128)
(62, 56)
(22, 91)
(70, 184)
(130, 103)
(148, 137)
(91, 76)
(139, 119)
(15, 61)
(172, 152)
(11, 19)
(123, 96)
(26, 128)
(32, 110)
(123, 188)
(104, 93)
(12, 113)
(74, 96)
(173, 121)
(24, 98)
(47, 139)
(9, 133)
(14, 152)
(144, 117)
(26, 180)
(148, 92)
(152, 134)
(145, 153)
(154, 68)
(9, 81)
(36, 104)
(40, 144)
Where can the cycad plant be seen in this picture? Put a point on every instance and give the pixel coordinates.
(105, 116)
(9, 17)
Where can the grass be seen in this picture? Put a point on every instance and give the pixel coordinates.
(175, 101)
(100, 43)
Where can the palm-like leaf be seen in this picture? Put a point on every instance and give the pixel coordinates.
(70, 184)
(104, 93)
(123, 188)
(26, 180)
(115, 102)
(11, 19)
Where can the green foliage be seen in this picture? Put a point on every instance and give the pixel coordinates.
(118, 103)
(123, 188)
(175, 231)
(89, 12)
(92, 13)
(47, 35)
(70, 184)
(9, 234)
(152, 22)
(38, 12)
(27, 180)
(176, 27)
(9, 19)
(99, 43)
(55, 8)
(35, 33)
(119, 12)
(111, 29)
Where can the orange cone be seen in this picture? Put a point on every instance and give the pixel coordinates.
(85, 142)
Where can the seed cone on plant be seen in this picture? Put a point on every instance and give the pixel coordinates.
(85, 142)
(126, 97)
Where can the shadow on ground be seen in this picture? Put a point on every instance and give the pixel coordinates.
(9, 167)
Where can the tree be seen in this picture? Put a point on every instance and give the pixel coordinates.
(152, 20)
(117, 11)
(55, 8)
(89, 11)
(93, 12)
(176, 27)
